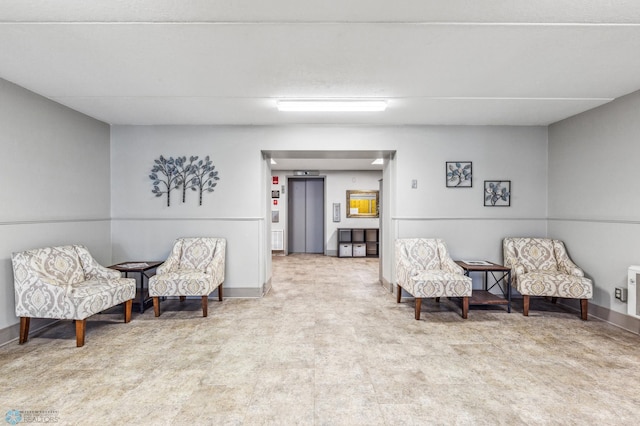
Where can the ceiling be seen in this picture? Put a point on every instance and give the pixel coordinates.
(225, 62)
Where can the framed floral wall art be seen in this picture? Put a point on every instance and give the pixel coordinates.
(497, 193)
(459, 174)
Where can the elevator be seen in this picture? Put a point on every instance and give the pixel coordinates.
(306, 215)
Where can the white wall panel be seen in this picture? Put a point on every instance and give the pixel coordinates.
(19, 237)
(152, 239)
(475, 239)
(604, 250)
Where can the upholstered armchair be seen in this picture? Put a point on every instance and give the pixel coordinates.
(195, 267)
(542, 267)
(66, 283)
(424, 269)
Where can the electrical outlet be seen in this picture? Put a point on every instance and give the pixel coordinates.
(621, 294)
(414, 184)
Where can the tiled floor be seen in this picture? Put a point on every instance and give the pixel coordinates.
(328, 346)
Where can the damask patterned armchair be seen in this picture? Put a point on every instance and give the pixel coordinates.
(195, 267)
(66, 283)
(425, 269)
(542, 267)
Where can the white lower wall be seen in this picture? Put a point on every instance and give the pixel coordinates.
(25, 236)
(605, 250)
(152, 239)
(474, 239)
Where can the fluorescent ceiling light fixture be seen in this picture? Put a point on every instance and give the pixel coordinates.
(273, 161)
(331, 105)
(378, 161)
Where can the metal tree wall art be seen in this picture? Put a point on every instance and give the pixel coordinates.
(184, 171)
(205, 177)
(164, 173)
(168, 174)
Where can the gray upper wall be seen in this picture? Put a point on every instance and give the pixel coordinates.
(55, 183)
(594, 196)
(56, 160)
(591, 163)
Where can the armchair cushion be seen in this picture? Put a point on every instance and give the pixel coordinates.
(438, 283)
(184, 282)
(422, 253)
(197, 253)
(555, 284)
(535, 254)
(61, 264)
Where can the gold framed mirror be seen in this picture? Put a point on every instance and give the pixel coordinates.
(362, 203)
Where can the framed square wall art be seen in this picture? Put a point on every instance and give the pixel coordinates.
(497, 193)
(459, 174)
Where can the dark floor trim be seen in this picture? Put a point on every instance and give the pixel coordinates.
(11, 333)
(626, 322)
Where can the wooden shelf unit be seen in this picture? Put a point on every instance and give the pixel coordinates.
(358, 242)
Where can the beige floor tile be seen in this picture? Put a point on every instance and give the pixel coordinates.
(329, 345)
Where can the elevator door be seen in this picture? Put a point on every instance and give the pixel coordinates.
(306, 215)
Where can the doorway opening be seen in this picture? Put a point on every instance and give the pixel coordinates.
(341, 171)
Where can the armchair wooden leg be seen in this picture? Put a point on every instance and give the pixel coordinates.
(525, 303)
(584, 306)
(399, 295)
(183, 298)
(127, 310)
(24, 329)
(205, 305)
(418, 307)
(220, 292)
(156, 306)
(465, 307)
(81, 326)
